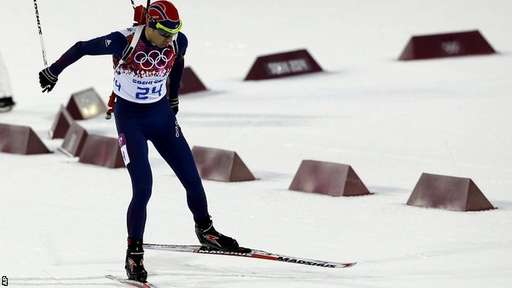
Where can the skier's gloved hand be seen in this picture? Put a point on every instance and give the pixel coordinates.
(174, 101)
(47, 79)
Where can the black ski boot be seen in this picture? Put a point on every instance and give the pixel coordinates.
(134, 264)
(211, 239)
(6, 104)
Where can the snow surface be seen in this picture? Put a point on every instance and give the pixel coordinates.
(62, 224)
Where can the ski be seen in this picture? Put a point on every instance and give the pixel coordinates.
(5, 109)
(250, 253)
(131, 283)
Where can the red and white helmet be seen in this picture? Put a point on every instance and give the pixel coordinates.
(164, 16)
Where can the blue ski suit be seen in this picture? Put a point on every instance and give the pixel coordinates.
(143, 113)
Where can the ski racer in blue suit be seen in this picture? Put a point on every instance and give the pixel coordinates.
(144, 57)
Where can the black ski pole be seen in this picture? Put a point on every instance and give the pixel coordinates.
(43, 50)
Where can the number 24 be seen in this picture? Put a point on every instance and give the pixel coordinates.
(142, 92)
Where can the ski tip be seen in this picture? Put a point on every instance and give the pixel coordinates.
(346, 265)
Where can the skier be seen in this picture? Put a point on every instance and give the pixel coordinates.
(6, 102)
(144, 112)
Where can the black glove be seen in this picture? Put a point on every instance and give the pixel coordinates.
(47, 80)
(174, 104)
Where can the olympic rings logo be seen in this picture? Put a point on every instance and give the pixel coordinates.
(152, 59)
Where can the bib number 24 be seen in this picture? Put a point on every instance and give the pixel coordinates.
(142, 92)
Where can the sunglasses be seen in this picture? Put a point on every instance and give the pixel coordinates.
(167, 32)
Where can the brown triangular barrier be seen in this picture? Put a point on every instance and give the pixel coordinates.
(283, 65)
(220, 165)
(447, 192)
(446, 45)
(20, 140)
(101, 151)
(190, 82)
(61, 124)
(328, 178)
(74, 140)
(85, 104)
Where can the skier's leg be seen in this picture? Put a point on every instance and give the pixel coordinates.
(171, 144)
(137, 164)
(142, 181)
(134, 144)
(173, 147)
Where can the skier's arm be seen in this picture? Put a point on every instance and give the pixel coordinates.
(111, 44)
(173, 83)
(174, 80)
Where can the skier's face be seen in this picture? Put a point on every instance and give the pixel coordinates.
(159, 38)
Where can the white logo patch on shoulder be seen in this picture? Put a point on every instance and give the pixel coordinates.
(107, 42)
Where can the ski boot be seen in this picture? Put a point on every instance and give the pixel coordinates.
(213, 240)
(6, 104)
(134, 263)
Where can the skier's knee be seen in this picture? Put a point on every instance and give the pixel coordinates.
(141, 194)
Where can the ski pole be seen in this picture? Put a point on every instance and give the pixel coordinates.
(43, 50)
(147, 10)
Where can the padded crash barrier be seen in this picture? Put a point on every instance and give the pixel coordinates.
(74, 140)
(220, 165)
(86, 104)
(446, 45)
(190, 82)
(101, 151)
(447, 192)
(18, 139)
(61, 124)
(328, 178)
(283, 65)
